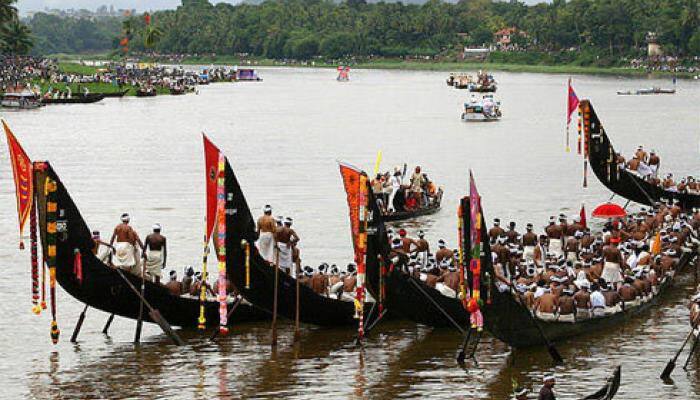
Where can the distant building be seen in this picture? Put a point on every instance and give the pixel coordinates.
(475, 53)
(507, 38)
(653, 47)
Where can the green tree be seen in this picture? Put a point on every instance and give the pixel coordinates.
(17, 38)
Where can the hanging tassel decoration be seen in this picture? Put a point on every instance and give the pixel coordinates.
(382, 272)
(78, 266)
(221, 237)
(246, 248)
(51, 211)
(43, 284)
(36, 308)
(202, 321)
(460, 235)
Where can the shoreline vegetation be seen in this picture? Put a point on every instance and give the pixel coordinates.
(76, 64)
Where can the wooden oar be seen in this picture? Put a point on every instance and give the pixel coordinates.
(76, 331)
(153, 313)
(553, 352)
(274, 299)
(108, 324)
(139, 321)
(297, 332)
(692, 351)
(672, 362)
(461, 356)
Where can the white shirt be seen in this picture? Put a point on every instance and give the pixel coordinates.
(395, 182)
(597, 299)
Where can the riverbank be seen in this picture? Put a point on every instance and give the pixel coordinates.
(415, 65)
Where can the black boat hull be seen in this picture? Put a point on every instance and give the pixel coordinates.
(103, 288)
(81, 99)
(620, 181)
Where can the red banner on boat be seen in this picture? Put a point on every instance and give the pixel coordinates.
(571, 103)
(582, 214)
(211, 164)
(22, 173)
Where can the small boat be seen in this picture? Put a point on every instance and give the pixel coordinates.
(485, 109)
(484, 83)
(247, 75)
(403, 214)
(146, 92)
(22, 100)
(101, 286)
(343, 73)
(80, 99)
(462, 81)
(602, 158)
(450, 80)
(645, 91)
(610, 389)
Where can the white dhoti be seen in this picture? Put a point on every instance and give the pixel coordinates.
(266, 246)
(598, 312)
(572, 256)
(124, 255)
(446, 290)
(583, 313)
(390, 206)
(613, 310)
(529, 253)
(544, 316)
(154, 263)
(285, 256)
(566, 318)
(103, 253)
(611, 272)
(337, 288)
(555, 247)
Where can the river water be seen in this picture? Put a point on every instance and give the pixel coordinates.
(283, 137)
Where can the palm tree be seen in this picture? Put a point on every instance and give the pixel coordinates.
(7, 10)
(17, 38)
(152, 36)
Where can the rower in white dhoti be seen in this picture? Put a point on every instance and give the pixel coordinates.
(155, 251)
(125, 252)
(100, 249)
(286, 239)
(266, 235)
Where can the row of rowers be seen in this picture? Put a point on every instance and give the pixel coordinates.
(647, 166)
(568, 273)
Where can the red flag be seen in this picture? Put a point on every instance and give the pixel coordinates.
(22, 172)
(147, 18)
(351, 181)
(572, 103)
(211, 168)
(583, 216)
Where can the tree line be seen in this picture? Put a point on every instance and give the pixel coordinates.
(15, 37)
(583, 31)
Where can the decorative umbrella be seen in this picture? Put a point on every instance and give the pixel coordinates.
(609, 210)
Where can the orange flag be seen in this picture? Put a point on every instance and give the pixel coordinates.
(22, 173)
(211, 164)
(656, 246)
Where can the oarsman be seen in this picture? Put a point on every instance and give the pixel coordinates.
(529, 242)
(187, 280)
(496, 231)
(628, 293)
(547, 391)
(582, 300)
(422, 248)
(155, 253)
(305, 278)
(266, 234)
(619, 160)
(654, 162)
(567, 306)
(554, 234)
(350, 280)
(443, 253)
(540, 253)
(546, 305)
(286, 238)
(641, 154)
(571, 248)
(407, 244)
(196, 288)
(335, 281)
(100, 249)
(448, 283)
(633, 164)
(174, 287)
(612, 300)
(512, 235)
(576, 226)
(597, 301)
(564, 225)
(612, 269)
(125, 252)
(668, 182)
(319, 281)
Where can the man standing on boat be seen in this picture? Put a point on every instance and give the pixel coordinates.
(496, 231)
(417, 184)
(612, 270)
(155, 253)
(554, 234)
(547, 391)
(529, 241)
(266, 235)
(286, 240)
(654, 162)
(125, 252)
(395, 183)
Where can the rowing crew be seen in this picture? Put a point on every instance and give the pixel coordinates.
(572, 274)
(122, 251)
(642, 163)
(277, 242)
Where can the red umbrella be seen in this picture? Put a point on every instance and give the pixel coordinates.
(609, 210)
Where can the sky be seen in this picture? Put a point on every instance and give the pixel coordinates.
(141, 5)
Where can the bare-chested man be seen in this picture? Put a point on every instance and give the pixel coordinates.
(155, 253)
(443, 255)
(612, 300)
(546, 306)
(654, 162)
(286, 238)
(100, 249)
(582, 300)
(633, 164)
(529, 242)
(422, 248)
(540, 253)
(572, 248)
(567, 306)
(319, 281)
(612, 269)
(512, 235)
(350, 280)
(408, 245)
(174, 287)
(266, 235)
(450, 283)
(641, 154)
(554, 234)
(496, 231)
(126, 238)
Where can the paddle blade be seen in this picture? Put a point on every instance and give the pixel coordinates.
(165, 326)
(461, 356)
(667, 371)
(555, 354)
